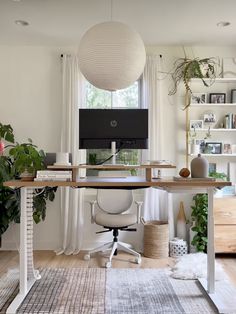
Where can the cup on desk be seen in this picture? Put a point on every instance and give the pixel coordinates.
(62, 158)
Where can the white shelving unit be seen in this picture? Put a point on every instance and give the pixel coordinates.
(217, 134)
(215, 155)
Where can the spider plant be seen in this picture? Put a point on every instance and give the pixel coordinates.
(185, 69)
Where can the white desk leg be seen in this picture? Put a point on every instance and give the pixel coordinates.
(28, 275)
(210, 244)
(170, 216)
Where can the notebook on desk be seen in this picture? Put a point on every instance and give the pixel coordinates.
(193, 179)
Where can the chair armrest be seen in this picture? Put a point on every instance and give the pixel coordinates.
(92, 207)
(139, 205)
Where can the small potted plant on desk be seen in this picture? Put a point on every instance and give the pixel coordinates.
(26, 160)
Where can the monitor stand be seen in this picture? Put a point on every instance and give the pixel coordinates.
(113, 153)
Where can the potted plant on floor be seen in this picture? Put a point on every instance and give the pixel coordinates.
(199, 222)
(12, 163)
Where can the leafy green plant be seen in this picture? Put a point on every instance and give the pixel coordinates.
(6, 132)
(218, 175)
(21, 156)
(27, 158)
(199, 218)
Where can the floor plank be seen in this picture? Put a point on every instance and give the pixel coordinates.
(9, 259)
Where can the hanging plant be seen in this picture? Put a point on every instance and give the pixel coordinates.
(185, 69)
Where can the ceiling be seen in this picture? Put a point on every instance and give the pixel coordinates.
(159, 22)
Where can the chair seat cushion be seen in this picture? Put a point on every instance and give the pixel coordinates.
(115, 221)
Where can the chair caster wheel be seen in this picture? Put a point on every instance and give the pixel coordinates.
(87, 257)
(108, 265)
(138, 260)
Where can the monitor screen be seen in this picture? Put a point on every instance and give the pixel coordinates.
(99, 127)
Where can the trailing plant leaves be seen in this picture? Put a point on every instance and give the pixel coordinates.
(199, 216)
(185, 69)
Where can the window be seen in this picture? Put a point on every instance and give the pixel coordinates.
(125, 98)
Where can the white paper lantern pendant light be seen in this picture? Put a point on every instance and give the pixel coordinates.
(111, 55)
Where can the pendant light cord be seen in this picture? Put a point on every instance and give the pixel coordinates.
(111, 17)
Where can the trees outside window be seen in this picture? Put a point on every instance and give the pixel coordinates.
(121, 99)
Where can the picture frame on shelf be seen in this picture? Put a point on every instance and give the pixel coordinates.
(233, 96)
(212, 167)
(201, 144)
(227, 149)
(217, 98)
(198, 98)
(196, 124)
(209, 117)
(213, 148)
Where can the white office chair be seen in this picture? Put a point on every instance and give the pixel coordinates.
(113, 204)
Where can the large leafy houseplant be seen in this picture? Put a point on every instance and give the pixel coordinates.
(11, 166)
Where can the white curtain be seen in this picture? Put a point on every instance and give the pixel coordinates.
(155, 201)
(71, 199)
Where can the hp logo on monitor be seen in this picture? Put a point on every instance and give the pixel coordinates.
(113, 123)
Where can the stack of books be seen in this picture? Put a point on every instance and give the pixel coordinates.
(53, 175)
(230, 121)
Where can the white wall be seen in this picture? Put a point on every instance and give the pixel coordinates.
(30, 100)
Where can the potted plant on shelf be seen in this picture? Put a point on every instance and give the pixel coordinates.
(185, 69)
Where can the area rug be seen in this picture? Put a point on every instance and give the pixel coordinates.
(193, 266)
(111, 291)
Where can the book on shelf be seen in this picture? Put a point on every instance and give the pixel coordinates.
(230, 121)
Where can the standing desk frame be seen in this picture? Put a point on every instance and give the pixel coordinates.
(28, 274)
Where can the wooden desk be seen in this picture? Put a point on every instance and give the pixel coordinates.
(28, 275)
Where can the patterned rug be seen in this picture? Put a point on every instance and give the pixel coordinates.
(110, 291)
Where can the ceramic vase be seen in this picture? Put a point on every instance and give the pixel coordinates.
(199, 167)
(181, 226)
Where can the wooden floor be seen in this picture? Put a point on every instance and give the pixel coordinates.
(9, 259)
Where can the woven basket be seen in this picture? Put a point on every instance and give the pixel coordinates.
(156, 239)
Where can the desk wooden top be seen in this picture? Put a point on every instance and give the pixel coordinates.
(113, 167)
(131, 181)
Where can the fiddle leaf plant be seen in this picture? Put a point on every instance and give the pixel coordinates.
(199, 218)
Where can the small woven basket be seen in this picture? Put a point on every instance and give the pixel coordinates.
(156, 239)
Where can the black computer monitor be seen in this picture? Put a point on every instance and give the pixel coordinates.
(98, 128)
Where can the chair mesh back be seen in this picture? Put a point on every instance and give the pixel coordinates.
(111, 200)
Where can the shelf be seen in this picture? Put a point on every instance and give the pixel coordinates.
(216, 80)
(214, 105)
(214, 130)
(215, 155)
